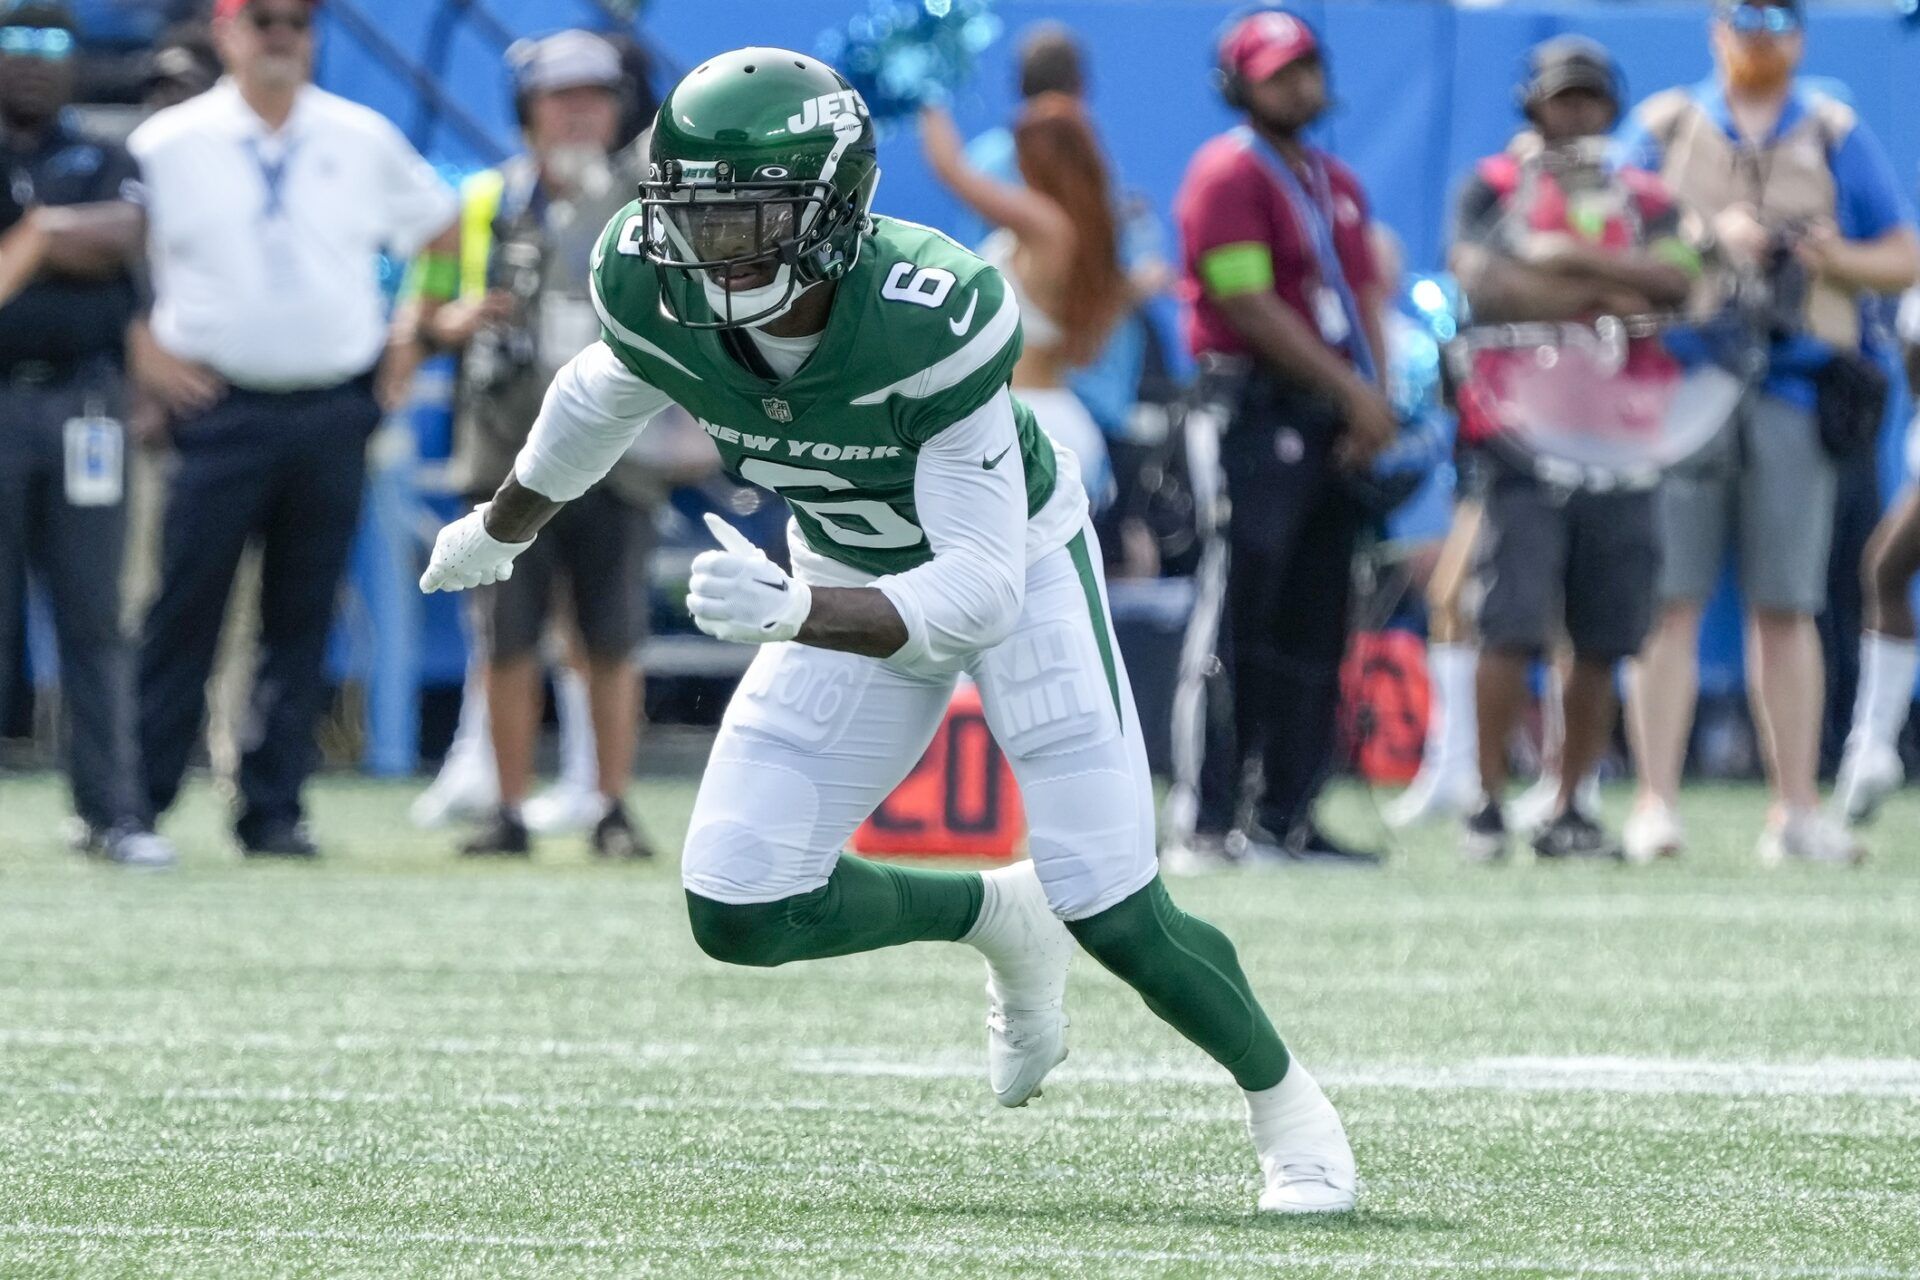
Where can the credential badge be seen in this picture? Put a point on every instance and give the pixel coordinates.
(777, 409)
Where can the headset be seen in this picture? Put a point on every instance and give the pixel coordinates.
(1226, 81)
(520, 58)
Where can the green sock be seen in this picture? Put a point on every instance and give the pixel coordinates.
(863, 906)
(1187, 972)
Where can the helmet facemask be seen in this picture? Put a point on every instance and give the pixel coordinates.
(781, 234)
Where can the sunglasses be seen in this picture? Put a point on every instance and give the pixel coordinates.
(1756, 19)
(52, 43)
(263, 21)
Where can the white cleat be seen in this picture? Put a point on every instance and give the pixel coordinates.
(1434, 796)
(1809, 835)
(563, 808)
(1652, 832)
(1028, 952)
(1305, 1161)
(1870, 771)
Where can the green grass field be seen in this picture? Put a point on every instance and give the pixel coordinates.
(391, 1064)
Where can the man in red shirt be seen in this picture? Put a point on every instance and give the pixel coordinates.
(1283, 313)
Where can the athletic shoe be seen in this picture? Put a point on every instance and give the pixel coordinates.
(1305, 844)
(1809, 835)
(133, 846)
(1539, 803)
(1028, 952)
(129, 844)
(1484, 839)
(503, 837)
(616, 836)
(1306, 1163)
(278, 840)
(1870, 771)
(1199, 855)
(1652, 832)
(1574, 835)
(1432, 796)
(466, 788)
(563, 808)
(287, 839)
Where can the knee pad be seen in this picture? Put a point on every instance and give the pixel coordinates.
(738, 861)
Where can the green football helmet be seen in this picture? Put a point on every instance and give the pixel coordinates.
(760, 186)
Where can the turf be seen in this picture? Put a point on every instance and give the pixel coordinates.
(391, 1064)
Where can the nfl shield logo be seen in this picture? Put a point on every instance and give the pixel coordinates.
(777, 409)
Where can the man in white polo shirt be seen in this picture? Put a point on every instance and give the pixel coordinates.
(270, 201)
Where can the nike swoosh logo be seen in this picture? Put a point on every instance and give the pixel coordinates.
(777, 586)
(965, 322)
(988, 466)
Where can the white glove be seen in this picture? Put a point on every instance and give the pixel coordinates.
(466, 555)
(738, 594)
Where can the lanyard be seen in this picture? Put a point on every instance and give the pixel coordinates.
(1314, 214)
(273, 175)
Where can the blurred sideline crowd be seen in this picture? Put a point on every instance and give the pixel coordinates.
(197, 358)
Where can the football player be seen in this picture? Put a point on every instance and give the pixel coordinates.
(858, 367)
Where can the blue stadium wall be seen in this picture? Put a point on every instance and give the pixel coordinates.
(1423, 89)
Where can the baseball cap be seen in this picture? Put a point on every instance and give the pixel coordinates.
(568, 60)
(1571, 62)
(224, 9)
(1262, 43)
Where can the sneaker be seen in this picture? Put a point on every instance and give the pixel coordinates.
(563, 808)
(616, 836)
(1305, 844)
(277, 840)
(1028, 952)
(465, 789)
(135, 846)
(1539, 803)
(1433, 796)
(1809, 835)
(1652, 831)
(1201, 854)
(1485, 838)
(1574, 835)
(1870, 771)
(503, 837)
(1306, 1164)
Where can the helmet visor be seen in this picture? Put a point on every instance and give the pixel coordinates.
(718, 232)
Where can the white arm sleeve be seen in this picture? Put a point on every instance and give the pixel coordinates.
(968, 596)
(593, 411)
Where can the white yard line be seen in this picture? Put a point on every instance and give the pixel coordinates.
(278, 1042)
(654, 1246)
(1873, 1078)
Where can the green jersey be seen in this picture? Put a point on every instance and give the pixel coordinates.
(922, 334)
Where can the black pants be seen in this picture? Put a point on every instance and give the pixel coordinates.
(1855, 514)
(285, 470)
(75, 553)
(1292, 535)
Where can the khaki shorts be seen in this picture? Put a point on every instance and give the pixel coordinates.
(1767, 487)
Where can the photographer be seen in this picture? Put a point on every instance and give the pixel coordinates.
(1548, 231)
(1804, 205)
(516, 306)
